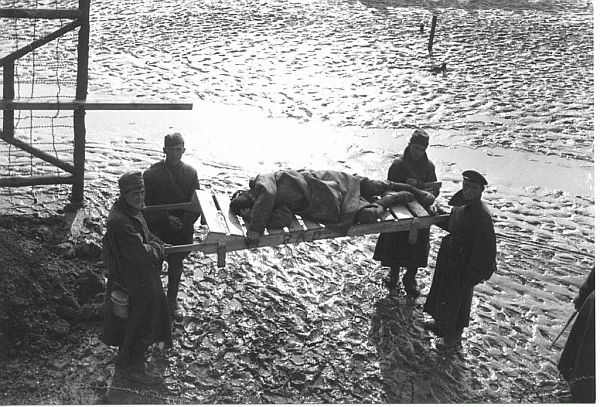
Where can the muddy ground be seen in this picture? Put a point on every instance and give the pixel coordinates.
(345, 82)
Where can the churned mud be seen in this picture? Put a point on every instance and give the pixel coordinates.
(318, 84)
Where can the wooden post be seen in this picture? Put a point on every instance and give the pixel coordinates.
(8, 93)
(432, 33)
(81, 94)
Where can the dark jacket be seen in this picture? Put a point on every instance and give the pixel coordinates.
(328, 197)
(133, 257)
(394, 249)
(467, 257)
(166, 185)
(577, 362)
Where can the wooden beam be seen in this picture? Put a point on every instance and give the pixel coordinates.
(40, 154)
(12, 182)
(8, 92)
(38, 43)
(49, 14)
(83, 42)
(73, 104)
(235, 242)
(83, 49)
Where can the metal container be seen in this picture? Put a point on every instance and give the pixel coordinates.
(120, 303)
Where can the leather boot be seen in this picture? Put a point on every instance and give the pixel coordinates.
(391, 281)
(410, 283)
(425, 198)
(452, 340)
(391, 198)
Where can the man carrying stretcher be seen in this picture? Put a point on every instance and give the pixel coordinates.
(333, 198)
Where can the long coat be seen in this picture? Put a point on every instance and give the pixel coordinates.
(578, 359)
(329, 197)
(393, 249)
(133, 257)
(167, 185)
(467, 257)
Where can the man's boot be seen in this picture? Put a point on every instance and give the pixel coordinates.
(136, 371)
(391, 281)
(425, 198)
(410, 282)
(391, 198)
(174, 273)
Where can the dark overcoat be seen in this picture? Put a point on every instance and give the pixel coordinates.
(133, 257)
(393, 249)
(329, 197)
(467, 257)
(169, 185)
(577, 362)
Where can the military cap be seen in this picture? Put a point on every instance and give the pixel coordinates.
(474, 176)
(131, 180)
(173, 139)
(419, 137)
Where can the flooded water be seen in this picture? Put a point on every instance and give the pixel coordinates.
(341, 85)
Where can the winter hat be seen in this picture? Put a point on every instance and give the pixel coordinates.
(419, 137)
(474, 176)
(173, 139)
(131, 180)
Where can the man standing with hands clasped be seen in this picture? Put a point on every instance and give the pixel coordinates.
(172, 181)
(467, 257)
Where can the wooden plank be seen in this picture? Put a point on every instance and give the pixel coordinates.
(310, 225)
(295, 226)
(40, 154)
(214, 219)
(233, 224)
(30, 181)
(387, 215)
(417, 209)
(72, 104)
(401, 212)
(234, 243)
(49, 14)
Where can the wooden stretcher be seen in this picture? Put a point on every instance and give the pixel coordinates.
(226, 231)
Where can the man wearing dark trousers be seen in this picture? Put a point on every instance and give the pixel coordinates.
(466, 257)
(172, 181)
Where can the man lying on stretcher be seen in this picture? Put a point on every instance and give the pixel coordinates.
(333, 198)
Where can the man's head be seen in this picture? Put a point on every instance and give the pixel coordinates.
(241, 201)
(131, 187)
(473, 185)
(174, 148)
(419, 141)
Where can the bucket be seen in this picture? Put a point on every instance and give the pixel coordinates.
(120, 301)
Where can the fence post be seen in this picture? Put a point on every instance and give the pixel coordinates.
(432, 33)
(81, 94)
(8, 93)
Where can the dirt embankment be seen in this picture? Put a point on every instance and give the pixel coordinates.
(51, 291)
